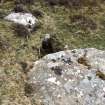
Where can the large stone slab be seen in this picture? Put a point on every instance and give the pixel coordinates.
(73, 77)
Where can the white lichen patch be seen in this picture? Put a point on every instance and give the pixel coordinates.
(104, 89)
(53, 80)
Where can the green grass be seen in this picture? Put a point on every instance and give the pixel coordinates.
(56, 20)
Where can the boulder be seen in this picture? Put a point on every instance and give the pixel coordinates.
(70, 77)
(26, 19)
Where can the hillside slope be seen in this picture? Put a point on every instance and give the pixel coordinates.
(76, 23)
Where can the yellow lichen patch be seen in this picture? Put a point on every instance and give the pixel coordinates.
(100, 74)
(84, 61)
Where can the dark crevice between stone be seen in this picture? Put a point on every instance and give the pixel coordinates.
(57, 70)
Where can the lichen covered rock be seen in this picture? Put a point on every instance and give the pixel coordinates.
(72, 77)
(25, 19)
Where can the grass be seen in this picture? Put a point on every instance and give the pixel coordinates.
(56, 20)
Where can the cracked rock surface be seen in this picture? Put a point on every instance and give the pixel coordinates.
(72, 77)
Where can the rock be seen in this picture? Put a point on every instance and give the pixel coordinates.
(25, 19)
(74, 83)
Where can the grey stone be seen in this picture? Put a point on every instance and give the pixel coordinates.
(26, 19)
(77, 85)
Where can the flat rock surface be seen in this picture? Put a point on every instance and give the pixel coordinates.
(72, 77)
